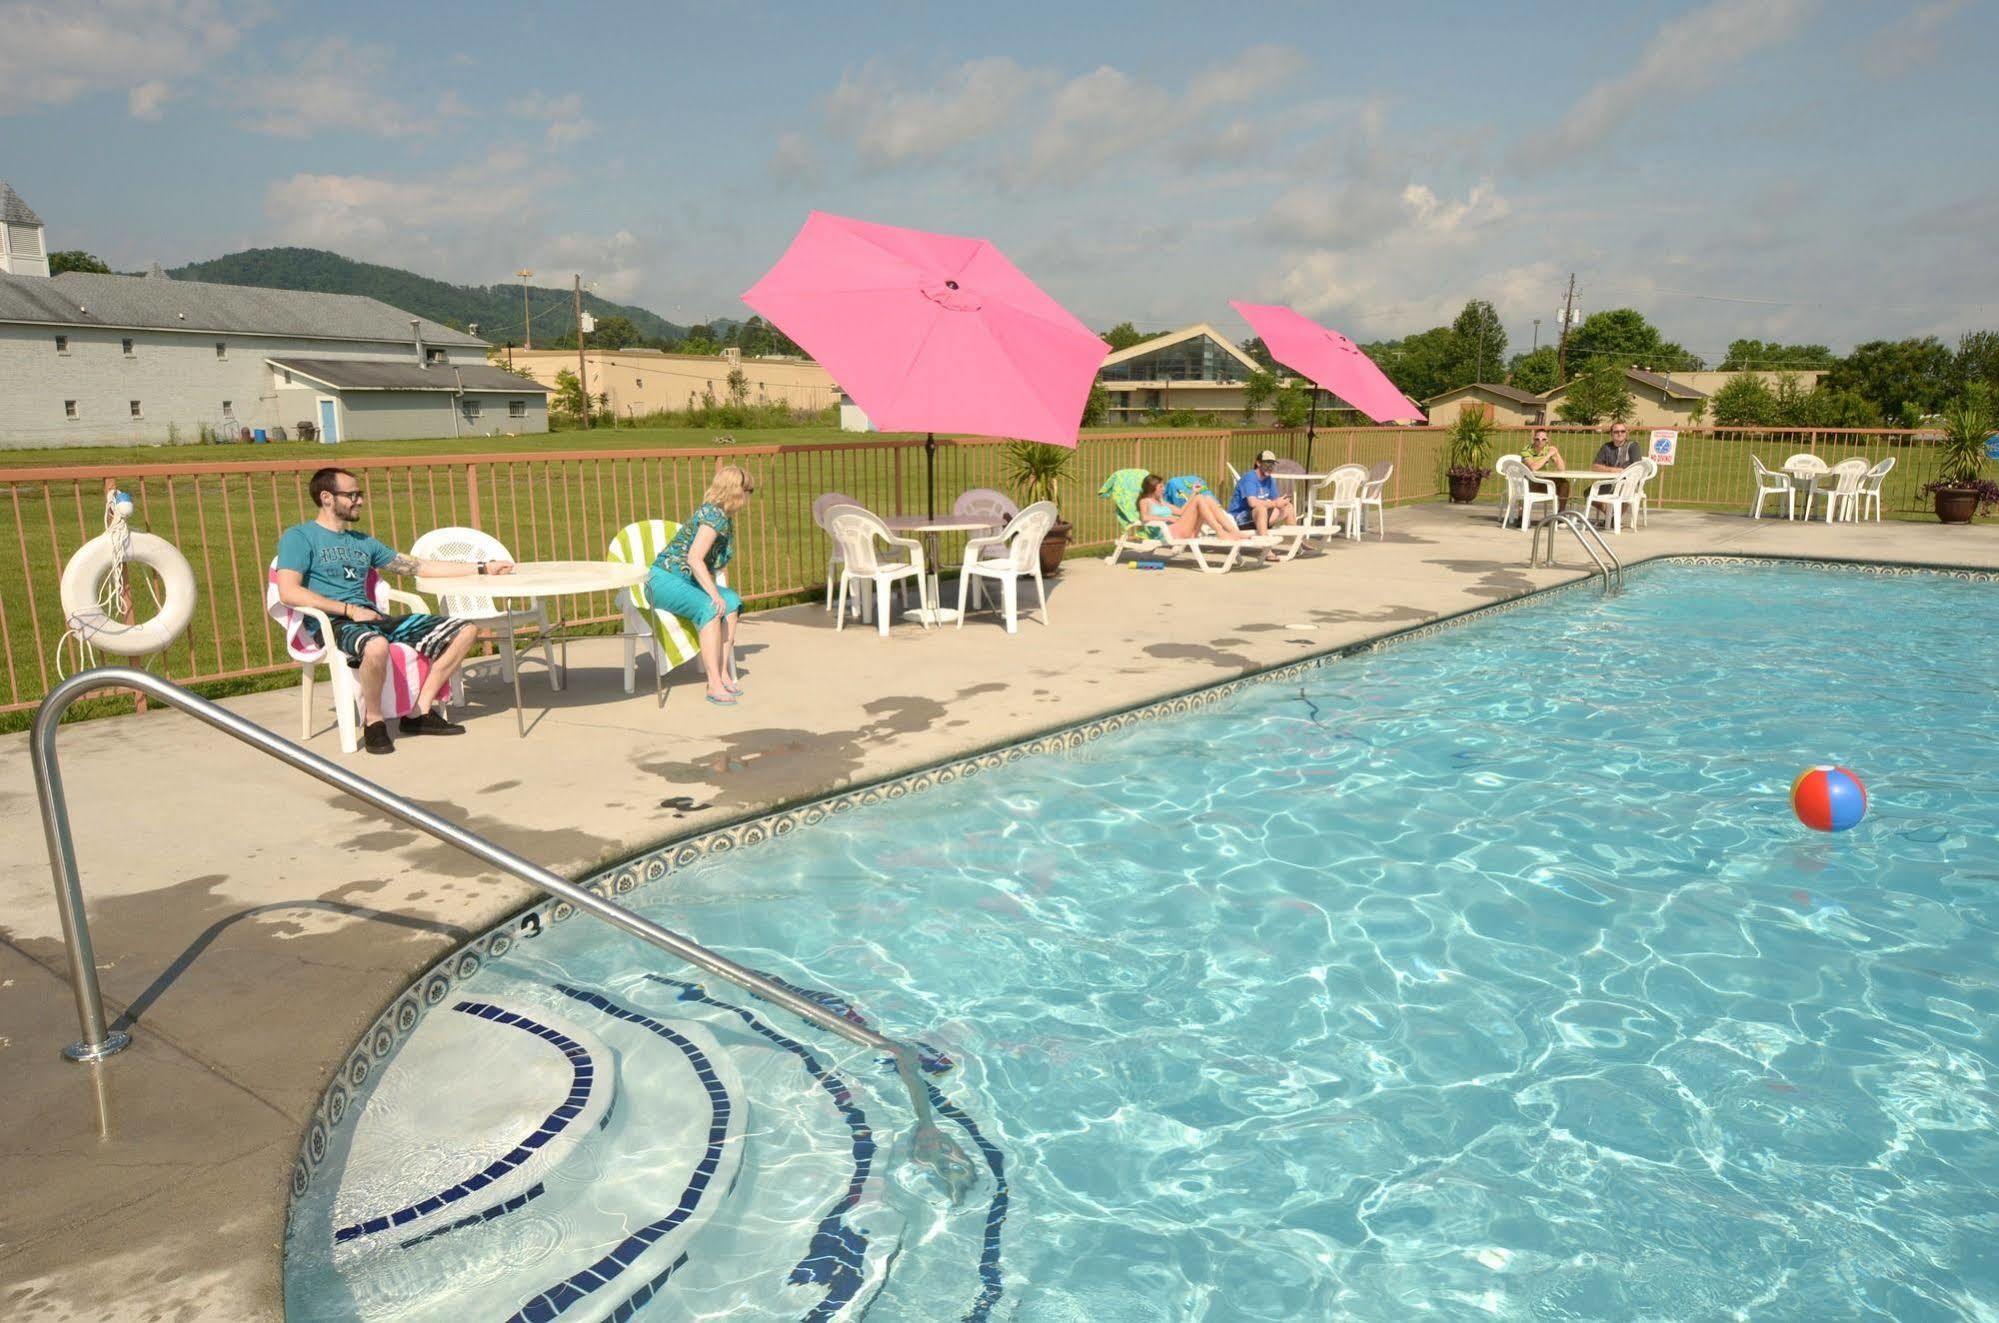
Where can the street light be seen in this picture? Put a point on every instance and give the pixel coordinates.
(527, 313)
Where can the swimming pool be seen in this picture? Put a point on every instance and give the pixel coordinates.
(1486, 975)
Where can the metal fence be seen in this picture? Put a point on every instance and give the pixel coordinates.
(226, 517)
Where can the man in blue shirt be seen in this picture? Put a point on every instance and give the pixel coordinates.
(1257, 501)
(324, 564)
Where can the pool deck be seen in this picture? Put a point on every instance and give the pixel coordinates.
(253, 922)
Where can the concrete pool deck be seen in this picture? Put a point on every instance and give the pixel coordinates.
(250, 922)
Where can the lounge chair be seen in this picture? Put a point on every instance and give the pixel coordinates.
(1148, 537)
(669, 639)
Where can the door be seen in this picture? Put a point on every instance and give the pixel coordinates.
(329, 422)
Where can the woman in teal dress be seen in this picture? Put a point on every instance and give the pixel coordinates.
(683, 580)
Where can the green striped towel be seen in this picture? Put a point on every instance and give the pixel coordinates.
(640, 544)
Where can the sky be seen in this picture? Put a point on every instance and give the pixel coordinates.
(1803, 170)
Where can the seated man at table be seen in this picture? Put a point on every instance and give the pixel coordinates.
(1540, 454)
(1617, 454)
(1258, 502)
(324, 564)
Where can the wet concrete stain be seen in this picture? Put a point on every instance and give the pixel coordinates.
(1497, 578)
(1201, 652)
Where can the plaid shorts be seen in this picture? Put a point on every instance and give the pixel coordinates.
(428, 635)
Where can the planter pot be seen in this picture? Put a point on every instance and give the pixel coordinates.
(1956, 505)
(1053, 546)
(1464, 489)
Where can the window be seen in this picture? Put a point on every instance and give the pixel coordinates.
(69, 408)
(641, 382)
(222, 349)
(62, 344)
(517, 408)
(288, 378)
(128, 347)
(228, 407)
(470, 408)
(433, 355)
(135, 410)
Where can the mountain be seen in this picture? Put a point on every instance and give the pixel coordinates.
(496, 308)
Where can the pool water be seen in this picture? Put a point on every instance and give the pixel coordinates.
(1484, 976)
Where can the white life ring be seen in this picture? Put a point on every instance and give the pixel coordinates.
(83, 583)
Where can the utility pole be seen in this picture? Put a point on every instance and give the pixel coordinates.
(1562, 346)
(1537, 335)
(527, 313)
(582, 363)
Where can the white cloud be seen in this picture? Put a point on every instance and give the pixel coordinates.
(890, 125)
(380, 215)
(148, 101)
(1256, 72)
(1912, 39)
(54, 53)
(1686, 54)
(793, 161)
(332, 84)
(563, 115)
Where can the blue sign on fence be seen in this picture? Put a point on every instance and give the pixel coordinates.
(1992, 446)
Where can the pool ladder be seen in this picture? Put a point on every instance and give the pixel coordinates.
(1608, 566)
(931, 1147)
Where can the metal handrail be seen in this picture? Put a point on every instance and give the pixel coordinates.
(930, 1146)
(1586, 537)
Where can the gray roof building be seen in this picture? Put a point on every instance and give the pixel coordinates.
(78, 299)
(13, 211)
(347, 374)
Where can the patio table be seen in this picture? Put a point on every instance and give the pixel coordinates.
(1804, 481)
(930, 527)
(1579, 480)
(550, 579)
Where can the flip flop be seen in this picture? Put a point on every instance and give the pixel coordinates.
(720, 702)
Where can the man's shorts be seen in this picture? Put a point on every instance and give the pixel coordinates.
(428, 635)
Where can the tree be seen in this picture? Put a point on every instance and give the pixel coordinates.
(75, 259)
(1890, 373)
(1123, 336)
(1258, 389)
(1097, 406)
(739, 387)
(568, 397)
(1978, 358)
(1418, 365)
(1748, 355)
(614, 332)
(1745, 401)
(1533, 372)
(1478, 347)
(1623, 334)
(1259, 351)
(1600, 394)
(1294, 402)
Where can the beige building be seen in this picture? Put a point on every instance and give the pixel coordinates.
(1656, 400)
(1194, 367)
(1502, 406)
(636, 382)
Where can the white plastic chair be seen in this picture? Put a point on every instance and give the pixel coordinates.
(399, 685)
(819, 509)
(1842, 499)
(668, 639)
(1522, 492)
(860, 534)
(1870, 488)
(1642, 515)
(1020, 554)
(1804, 462)
(1619, 495)
(1773, 483)
(1338, 498)
(985, 503)
(1372, 494)
(472, 545)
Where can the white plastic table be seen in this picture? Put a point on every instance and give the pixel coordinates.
(1575, 478)
(1804, 481)
(537, 579)
(930, 527)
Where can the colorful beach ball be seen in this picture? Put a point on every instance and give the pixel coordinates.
(1828, 798)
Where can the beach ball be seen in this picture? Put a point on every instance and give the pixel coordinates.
(1828, 798)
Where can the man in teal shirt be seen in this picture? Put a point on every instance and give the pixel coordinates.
(324, 564)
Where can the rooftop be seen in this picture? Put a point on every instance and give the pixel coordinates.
(406, 374)
(80, 299)
(13, 211)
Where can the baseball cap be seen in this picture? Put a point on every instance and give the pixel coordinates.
(1266, 457)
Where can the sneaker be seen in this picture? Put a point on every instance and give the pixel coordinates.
(432, 722)
(375, 738)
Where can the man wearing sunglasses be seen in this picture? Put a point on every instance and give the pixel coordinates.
(325, 562)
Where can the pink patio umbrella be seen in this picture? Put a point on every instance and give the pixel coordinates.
(1329, 360)
(932, 332)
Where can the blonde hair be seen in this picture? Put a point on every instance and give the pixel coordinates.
(730, 488)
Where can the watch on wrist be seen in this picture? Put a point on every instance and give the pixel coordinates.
(482, 567)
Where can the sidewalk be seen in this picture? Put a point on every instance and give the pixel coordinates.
(253, 921)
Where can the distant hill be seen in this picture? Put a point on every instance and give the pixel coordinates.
(496, 308)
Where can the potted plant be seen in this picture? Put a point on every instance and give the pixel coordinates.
(1464, 455)
(1035, 471)
(1961, 489)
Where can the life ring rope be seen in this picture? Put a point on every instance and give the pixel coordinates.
(95, 588)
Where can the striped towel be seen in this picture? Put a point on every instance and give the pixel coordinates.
(640, 544)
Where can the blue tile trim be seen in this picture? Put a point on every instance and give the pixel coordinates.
(582, 1077)
(520, 1200)
(641, 1297)
(989, 1252)
(551, 1303)
(835, 1255)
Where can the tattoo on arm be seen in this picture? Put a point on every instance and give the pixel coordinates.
(403, 564)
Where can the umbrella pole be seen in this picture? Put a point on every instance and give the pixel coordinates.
(930, 471)
(1311, 428)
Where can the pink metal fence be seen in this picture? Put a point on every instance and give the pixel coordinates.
(226, 517)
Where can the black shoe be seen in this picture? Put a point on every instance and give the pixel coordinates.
(432, 722)
(375, 738)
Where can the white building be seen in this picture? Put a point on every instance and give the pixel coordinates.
(118, 360)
